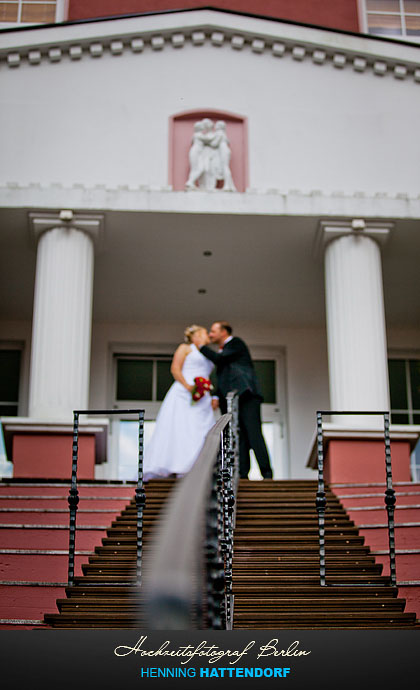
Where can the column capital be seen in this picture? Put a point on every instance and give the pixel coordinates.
(330, 230)
(90, 223)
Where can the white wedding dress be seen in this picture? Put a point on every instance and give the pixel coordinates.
(181, 426)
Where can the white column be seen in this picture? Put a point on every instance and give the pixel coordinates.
(61, 329)
(357, 348)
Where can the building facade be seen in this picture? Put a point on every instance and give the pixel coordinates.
(106, 256)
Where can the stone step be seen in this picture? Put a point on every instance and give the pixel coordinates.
(54, 517)
(377, 500)
(376, 536)
(60, 502)
(96, 489)
(378, 516)
(407, 564)
(341, 490)
(27, 537)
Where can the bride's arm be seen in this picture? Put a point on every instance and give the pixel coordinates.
(177, 363)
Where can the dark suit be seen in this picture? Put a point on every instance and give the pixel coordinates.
(235, 371)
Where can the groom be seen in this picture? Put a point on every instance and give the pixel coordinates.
(235, 371)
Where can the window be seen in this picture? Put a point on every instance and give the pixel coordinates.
(266, 374)
(265, 370)
(9, 381)
(404, 385)
(31, 11)
(143, 377)
(149, 377)
(393, 18)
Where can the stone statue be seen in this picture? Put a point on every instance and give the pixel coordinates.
(209, 157)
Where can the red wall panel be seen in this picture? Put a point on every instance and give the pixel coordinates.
(336, 14)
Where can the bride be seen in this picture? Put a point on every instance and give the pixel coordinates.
(181, 426)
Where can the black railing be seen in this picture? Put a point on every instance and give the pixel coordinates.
(321, 499)
(229, 486)
(73, 498)
(232, 400)
(190, 577)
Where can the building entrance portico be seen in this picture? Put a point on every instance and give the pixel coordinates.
(258, 270)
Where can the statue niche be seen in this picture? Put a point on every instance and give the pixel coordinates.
(209, 157)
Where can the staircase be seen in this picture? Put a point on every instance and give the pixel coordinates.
(34, 540)
(365, 506)
(106, 595)
(275, 568)
(276, 565)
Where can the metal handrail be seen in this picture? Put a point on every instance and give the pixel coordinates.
(73, 498)
(190, 577)
(321, 499)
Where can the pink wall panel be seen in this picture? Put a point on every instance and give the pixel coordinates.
(181, 128)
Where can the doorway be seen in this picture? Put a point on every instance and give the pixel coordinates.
(142, 380)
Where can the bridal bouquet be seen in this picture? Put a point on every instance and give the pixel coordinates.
(201, 387)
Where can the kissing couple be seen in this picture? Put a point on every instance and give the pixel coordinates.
(187, 412)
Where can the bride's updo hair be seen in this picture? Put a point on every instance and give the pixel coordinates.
(190, 330)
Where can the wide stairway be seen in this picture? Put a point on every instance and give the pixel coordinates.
(275, 568)
(107, 594)
(276, 565)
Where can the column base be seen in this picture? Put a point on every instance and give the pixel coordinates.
(42, 450)
(358, 455)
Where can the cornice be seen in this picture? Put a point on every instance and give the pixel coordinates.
(129, 198)
(216, 29)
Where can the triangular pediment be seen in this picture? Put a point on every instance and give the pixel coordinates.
(78, 40)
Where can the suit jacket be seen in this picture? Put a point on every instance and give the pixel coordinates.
(234, 368)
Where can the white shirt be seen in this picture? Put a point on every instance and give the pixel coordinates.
(226, 341)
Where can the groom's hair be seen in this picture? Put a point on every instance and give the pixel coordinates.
(226, 325)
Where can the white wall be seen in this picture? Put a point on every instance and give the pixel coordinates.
(105, 120)
(405, 342)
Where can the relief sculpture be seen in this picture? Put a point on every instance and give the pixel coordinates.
(209, 157)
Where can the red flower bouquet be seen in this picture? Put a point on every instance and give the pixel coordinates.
(201, 387)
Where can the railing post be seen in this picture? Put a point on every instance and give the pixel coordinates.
(233, 409)
(73, 499)
(231, 483)
(140, 497)
(227, 541)
(390, 501)
(321, 500)
(215, 580)
(221, 527)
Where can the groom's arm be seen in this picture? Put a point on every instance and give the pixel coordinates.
(230, 353)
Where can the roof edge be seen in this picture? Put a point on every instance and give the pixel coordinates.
(251, 15)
